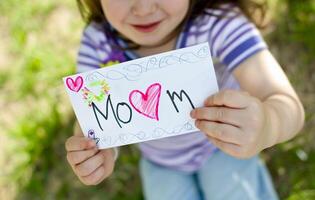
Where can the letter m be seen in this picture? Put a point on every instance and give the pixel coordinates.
(180, 97)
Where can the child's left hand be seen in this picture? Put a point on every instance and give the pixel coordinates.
(235, 122)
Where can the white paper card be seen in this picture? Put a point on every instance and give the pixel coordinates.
(143, 99)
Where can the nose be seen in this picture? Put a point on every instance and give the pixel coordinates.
(144, 7)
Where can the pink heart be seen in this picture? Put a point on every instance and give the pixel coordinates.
(75, 85)
(147, 104)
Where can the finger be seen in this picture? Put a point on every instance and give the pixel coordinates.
(224, 132)
(219, 114)
(76, 143)
(90, 165)
(229, 98)
(228, 148)
(76, 157)
(95, 177)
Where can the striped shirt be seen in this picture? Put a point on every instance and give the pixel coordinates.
(232, 39)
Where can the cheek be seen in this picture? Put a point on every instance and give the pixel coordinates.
(110, 8)
(176, 8)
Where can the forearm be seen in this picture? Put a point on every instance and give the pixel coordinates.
(284, 118)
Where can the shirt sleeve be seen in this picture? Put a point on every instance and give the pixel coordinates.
(234, 38)
(91, 50)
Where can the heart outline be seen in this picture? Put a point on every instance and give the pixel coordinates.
(75, 85)
(151, 112)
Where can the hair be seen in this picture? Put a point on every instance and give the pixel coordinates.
(254, 10)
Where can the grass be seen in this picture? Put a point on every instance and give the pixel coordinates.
(41, 38)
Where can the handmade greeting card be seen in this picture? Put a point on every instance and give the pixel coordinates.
(144, 99)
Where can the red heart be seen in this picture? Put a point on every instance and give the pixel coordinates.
(147, 104)
(75, 85)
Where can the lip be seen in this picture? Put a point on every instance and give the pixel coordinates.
(146, 28)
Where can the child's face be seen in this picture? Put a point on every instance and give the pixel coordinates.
(145, 22)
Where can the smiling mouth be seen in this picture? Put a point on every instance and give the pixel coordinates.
(146, 28)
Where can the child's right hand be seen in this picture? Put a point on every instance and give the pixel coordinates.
(91, 165)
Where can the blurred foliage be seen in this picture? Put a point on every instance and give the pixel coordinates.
(42, 53)
(292, 164)
(298, 22)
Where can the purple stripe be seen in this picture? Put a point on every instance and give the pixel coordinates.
(85, 34)
(240, 49)
(211, 32)
(221, 29)
(218, 19)
(198, 30)
(234, 40)
(235, 29)
(197, 33)
(89, 44)
(183, 36)
(232, 67)
(93, 46)
(102, 42)
(203, 21)
(88, 64)
(81, 54)
(89, 38)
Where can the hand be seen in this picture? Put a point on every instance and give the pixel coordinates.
(235, 122)
(91, 165)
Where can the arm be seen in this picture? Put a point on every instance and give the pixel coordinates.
(262, 77)
(244, 123)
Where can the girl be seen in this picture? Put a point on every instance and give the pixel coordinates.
(255, 108)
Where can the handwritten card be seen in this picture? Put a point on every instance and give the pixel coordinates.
(144, 99)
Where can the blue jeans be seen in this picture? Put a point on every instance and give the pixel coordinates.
(222, 177)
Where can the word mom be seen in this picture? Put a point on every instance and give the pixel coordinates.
(145, 104)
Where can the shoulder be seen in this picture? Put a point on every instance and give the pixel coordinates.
(94, 47)
(214, 25)
(94, 33)
(232, 37)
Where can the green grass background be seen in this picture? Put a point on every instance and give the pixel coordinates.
(38, 44)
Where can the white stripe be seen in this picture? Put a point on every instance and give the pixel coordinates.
(107, 47)
(94, 33)
(236, 33)
(221, 39)
(102, 55)
(87, 50)
(209, 25)
(203, 38)
(191, 40)
(193, 28)
(88, 60)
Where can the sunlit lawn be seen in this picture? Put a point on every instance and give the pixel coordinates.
(38, 44)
